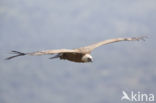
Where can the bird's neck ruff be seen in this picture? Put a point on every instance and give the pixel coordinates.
(87, 58)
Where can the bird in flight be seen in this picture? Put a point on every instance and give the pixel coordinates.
(80, 55)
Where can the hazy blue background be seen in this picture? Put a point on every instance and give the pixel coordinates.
(30, 25)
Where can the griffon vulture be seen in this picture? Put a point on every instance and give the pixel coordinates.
(81, 55)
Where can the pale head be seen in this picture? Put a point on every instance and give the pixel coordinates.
(87, 58)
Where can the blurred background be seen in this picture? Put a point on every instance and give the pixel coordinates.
(32, 25)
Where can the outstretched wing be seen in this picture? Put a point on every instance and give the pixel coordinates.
(89, 48)
(53, 52)
(45, 52)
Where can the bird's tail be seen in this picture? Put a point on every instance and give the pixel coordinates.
(56, 56)
(17, 54)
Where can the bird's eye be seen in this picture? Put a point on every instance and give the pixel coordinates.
(89, 59)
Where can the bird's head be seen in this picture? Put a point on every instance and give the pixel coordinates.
(87, 58)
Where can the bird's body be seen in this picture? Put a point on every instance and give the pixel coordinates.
(80, 55)
(75, 57)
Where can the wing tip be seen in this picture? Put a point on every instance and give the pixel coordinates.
(143, 38)
(17, 54)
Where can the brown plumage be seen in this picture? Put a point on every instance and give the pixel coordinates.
(76, 55)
